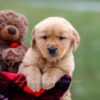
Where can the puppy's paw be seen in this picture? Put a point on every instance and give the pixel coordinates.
(34, 83)
(48, 82)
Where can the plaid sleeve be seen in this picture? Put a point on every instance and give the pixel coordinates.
(58, 91)
(10, 88)
(13, 87)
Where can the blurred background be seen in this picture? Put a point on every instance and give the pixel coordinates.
(85, 17)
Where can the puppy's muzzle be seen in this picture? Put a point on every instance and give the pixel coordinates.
(52, 51)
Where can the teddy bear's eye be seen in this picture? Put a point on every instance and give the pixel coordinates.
(16, 24)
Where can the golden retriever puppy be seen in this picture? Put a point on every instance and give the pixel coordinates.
(51, 54)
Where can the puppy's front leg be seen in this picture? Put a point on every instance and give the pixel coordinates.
(50, 78)
(33, 77)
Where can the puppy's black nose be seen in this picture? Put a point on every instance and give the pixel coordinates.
(52, 51)
(11, 30)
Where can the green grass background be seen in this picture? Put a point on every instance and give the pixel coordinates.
(86, 78)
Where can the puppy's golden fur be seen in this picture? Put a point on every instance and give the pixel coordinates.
(41, 69)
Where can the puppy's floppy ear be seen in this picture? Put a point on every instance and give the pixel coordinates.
(76, 39)
(33, 38)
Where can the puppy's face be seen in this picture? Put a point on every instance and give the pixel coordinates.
(53, 38)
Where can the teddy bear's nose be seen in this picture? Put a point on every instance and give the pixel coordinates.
(11, 30)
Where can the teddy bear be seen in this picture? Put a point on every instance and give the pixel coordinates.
(13, 27)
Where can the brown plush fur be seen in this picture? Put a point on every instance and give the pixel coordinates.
(13, 27)
(43, 70)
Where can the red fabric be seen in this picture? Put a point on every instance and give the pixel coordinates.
(11, 76)
(14, 44)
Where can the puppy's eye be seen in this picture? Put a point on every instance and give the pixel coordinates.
(62, 38)
(44, 37)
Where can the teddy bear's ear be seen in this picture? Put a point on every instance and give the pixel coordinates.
(76, 39)
(33, 38)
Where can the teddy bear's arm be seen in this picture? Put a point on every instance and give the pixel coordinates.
(12, 57)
